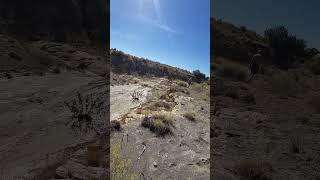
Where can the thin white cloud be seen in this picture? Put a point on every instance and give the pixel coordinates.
(158, 21)
(123, 36)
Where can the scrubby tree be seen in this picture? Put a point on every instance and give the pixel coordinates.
(199, 76)
(284, 47)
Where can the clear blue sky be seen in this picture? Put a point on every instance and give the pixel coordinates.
(301, 17)
(173, 32)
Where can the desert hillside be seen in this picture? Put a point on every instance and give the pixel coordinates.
(234, 42)
(267, 128)
(125, 63)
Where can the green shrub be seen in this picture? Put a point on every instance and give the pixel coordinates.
(284, 47)
(199, 77)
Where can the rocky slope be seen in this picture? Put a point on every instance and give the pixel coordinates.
(52, 51)
(125, 63)
(37, 78)
(237, 43)
(140, 153)
(265, 129)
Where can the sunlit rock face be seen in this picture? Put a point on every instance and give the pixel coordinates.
(59, 20)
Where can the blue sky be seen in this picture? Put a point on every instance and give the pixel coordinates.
(300, 17)
(173, 32)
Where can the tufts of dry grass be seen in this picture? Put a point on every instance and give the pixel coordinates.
(190, 116)
(167, 97)
(182, 83)
(175, 89)
(234, 71)
(200, 91)
(159, 123)
(254, 169)
(163, 104)
(119, 167)
(160, 105)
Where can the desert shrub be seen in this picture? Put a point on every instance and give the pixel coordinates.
(314, 102)
(115, 125)
(160, 105)
(182, 83)
(119, 167)
(231, 70)
(190, 116)
(136, 96)
(167, 97)
(254, 169)
(284, 47)
(200, 91)
(163, 104)
(85, 110)
(200, 87)
(159, 123)
(199, 76)
(174, 89)
(166, 118)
